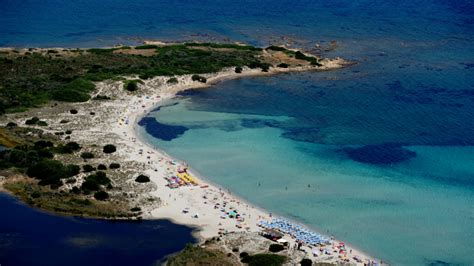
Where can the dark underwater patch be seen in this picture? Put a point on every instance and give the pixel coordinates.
(158, 108)
(258, 123)
(161, 131)
(380, 154)
(303, 134)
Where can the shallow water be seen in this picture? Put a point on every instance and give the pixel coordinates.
(31, 237)
(413, 86)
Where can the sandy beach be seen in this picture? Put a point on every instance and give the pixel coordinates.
(203, 205)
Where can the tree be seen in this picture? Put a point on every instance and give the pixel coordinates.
(238, 69)
(101, 167)
(109, 148)
(142, 179)
(101, 195)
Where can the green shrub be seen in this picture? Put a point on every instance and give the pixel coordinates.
(64, 121)
(101, 195)
(50, 171)
(131, 85)
(172, 80)
(41, 144)
(276, 48)
(147, 46)
(73, 111)
(74, 146)
(142, 179)
(68, 132)
(264, 259)
(276, 248)
(42, 124)
(109, 148)
(198, 78)
(238, 69)
(87, 155)
(101, 167)
(306, 262)
(11, 124)
(88, 168)
(101, 97)
(114, 166)
(135, 209)
(32, 121)
(283, 65)
(94, 181)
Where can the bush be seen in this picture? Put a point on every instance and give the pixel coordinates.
(73, 111)
(42, 124)
(264, 259)
(238, 69)
(142, 179)
(244, 254)
(101, 167)
(88, 168)
(11, 124)
(64, 121)
(72, 170)
(45, 154)
(42, 144)
(87, 155)
(50, 172)
(68, 132)
(172, 80)
(198, 78)
(94, 181)
(101, 195)
(146, 46)
(74, 146)
(109, 148)
(283, 65)
(32, 121)
(114, 166)
(135, 209)
(276, 248)
(101, 97)
(131, 85)
(306, 262)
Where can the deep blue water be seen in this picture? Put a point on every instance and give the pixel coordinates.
(413, 87)
(31, 237)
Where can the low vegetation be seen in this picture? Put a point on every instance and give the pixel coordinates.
(196, 255)
(142, 179)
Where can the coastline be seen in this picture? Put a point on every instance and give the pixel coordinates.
(173, 212)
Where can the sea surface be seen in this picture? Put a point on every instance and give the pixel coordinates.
(379, 154)
(31, 237)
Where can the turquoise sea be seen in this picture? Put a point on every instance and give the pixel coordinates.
(379, 154)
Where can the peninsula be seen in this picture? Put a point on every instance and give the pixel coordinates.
(69, 125)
